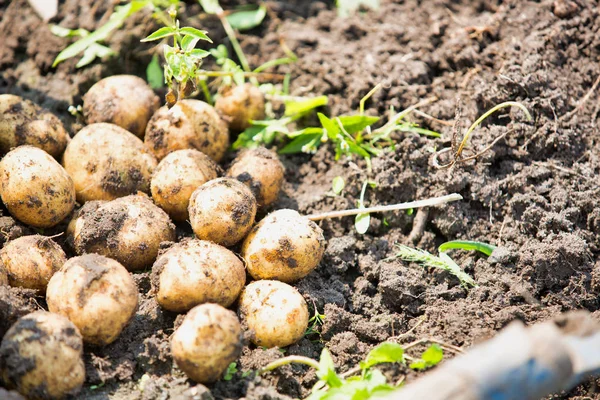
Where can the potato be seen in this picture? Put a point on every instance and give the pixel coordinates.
(35, 188)
(176, 178)
(129, 229)
(195, 272)
(206, 342)
(190, 124)
(23, 122)
(222, 211)
(284, 246)
(274, 313)
(261, 170)
(107, 162)
(41, 357)
(97, 294)
(240, 104)
(123, 100)
(30, 261)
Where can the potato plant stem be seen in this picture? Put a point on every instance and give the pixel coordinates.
(289, 360)
(392, 207)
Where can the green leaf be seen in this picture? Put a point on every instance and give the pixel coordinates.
(326, 371)
(154, 73)
(484, 248)
(160, 34)
(362, 222)
(64, 32)
(245, 20)
(210, 6)
(199, 53)
(306, 143)
(357, 123)
(330, 127)
(347, 7)
(408, 127)
(91, 53)
(430, 357)
(338, 184)
(231, 371)
(303, 106)
(188, 43)
(386, 352)
(196, 33)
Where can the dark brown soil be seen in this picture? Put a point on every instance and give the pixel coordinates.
(534, 193)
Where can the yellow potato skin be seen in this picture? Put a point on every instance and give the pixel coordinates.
(30, 261)
(275, 313)
(25, 123)
(195, 272)
(97, 294)
(177, 176)
(222, 211)
(240, 104)
(261, 170)
(284, 246)
(123, 100)
(42, 357)
(35, 188)
(206, 342)
(107, 162)
(189, 124)
(129, 229)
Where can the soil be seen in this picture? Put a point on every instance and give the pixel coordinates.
(534, 193)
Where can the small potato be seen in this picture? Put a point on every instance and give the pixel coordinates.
(30, 261)
(222, 211)
(261, 170)
(107, 162)
(240, 104)
(41, 356)
(284, 246)
(274, 313)
(123, 100)
(176, 178)
(129, 230)
(196, 272)
(190, 124)
(35, 188)
(97, 294)
(23, 122)
(206, 342)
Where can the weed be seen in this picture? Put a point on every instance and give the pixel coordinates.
(484, 248)
(314, 323)
(231, 371)
(337, 185)
(347, 7)
(363, 220)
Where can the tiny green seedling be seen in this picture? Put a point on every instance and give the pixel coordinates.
(363, 221)
(337, 185)
(314, 323)
(231, 371)
(430, 357)
(347, 7)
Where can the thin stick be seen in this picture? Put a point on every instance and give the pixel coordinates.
(583, 100)
(288, 360)
(435, 201)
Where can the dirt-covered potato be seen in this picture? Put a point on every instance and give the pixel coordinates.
(41, 357)
(190, 124)
(107, 162)
(240, 104)
(97, 294)
(195, 272)
(275, 313)
(129, 229)
(30, 261)
(261, 170)
(176, 178)
(222, 211)
(123, 100)
(284, 246)
(23, 122)
(35, 188)
(206, 342)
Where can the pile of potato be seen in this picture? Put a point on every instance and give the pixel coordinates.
(117, 189)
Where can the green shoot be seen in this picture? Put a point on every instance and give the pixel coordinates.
(347, 7)
(363, 220)
(314, 323)
(246, 19)
(387, 352)
(231, 371)
(429, 260)
(430, 357)
(337, 185)
(484, 248)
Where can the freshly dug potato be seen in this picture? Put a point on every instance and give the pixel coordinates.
(23, 122)
(129, 229)
(261, 170)
(35, 188)
(240, 104)
(123, 100)
(190, 124)
(195, 272)
(222, 211)
(30, 261)
(107, 162)
(284, 246)
(97, 294)
(274, 313)
(41, 357)
(206, 342)
(176, 178)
